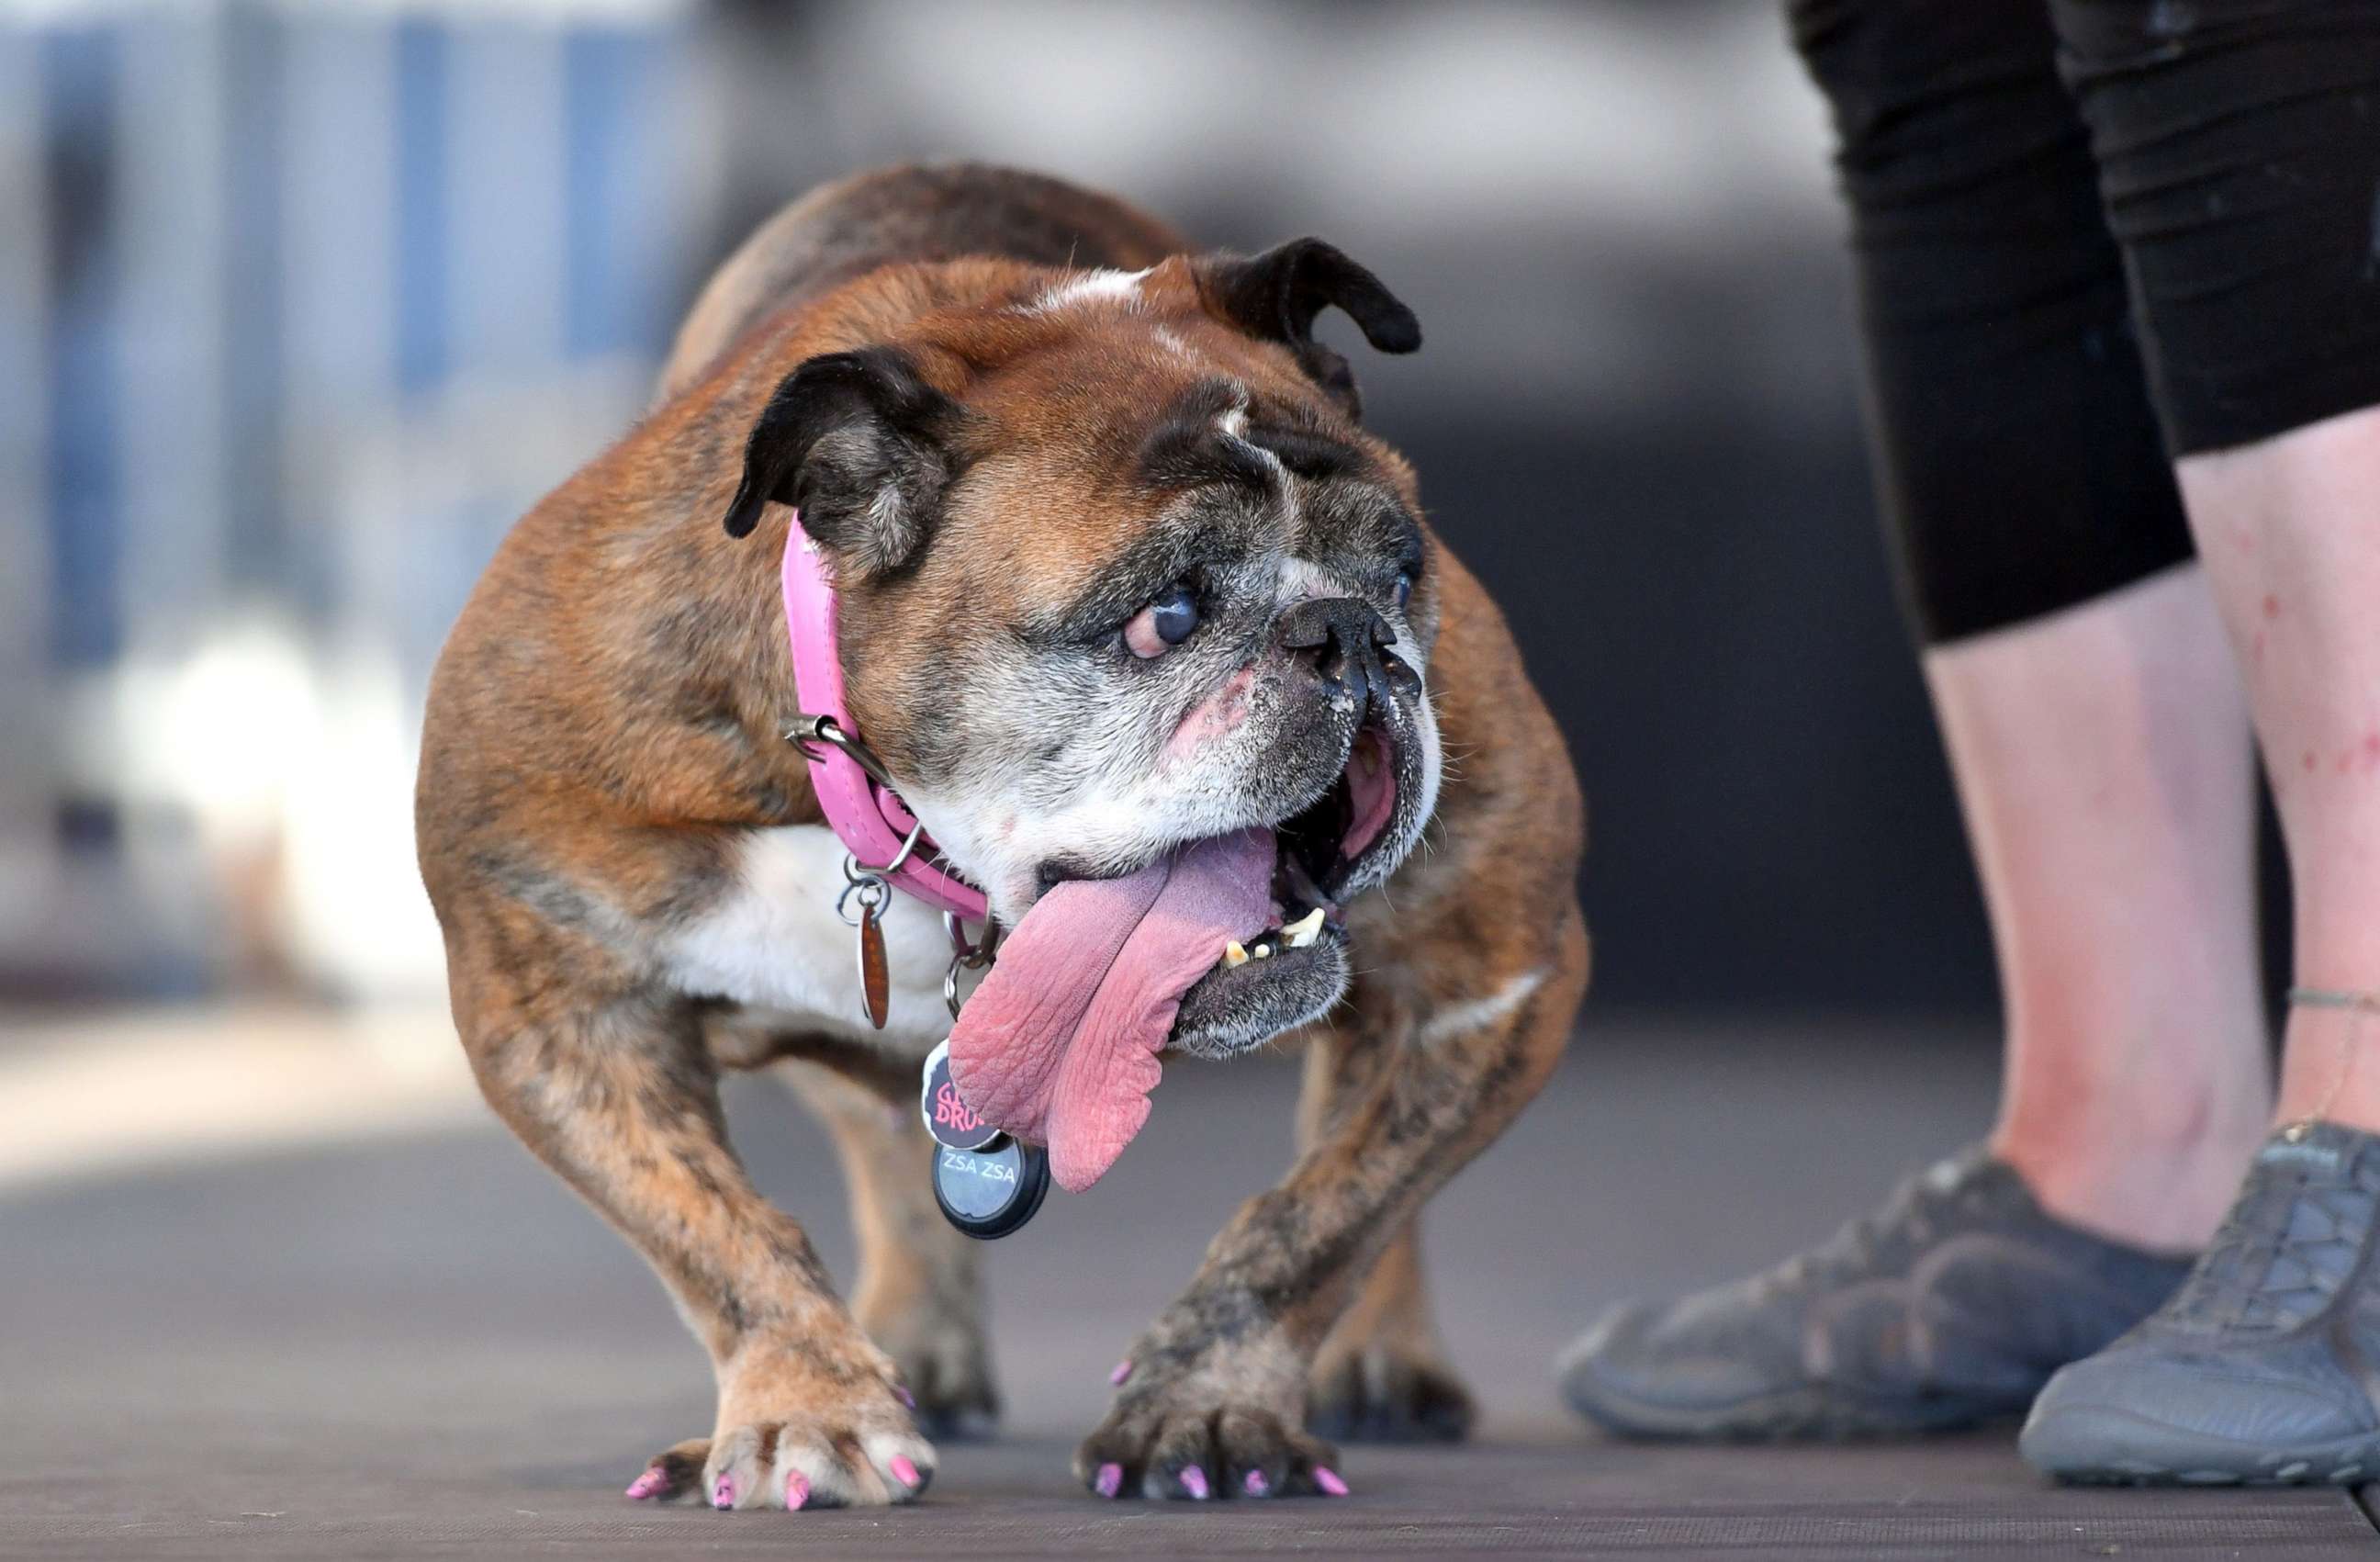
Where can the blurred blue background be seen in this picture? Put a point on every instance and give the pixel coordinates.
(301, 304)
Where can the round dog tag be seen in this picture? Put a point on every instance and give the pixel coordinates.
(986, 1183)
(947, 1117)
(990, 1193)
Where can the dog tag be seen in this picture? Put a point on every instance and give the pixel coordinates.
(875, 981)
(986, 1183)
(947, 1117)
(993, 1192)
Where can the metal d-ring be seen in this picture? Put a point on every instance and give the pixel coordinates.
(853, 870)
(808, 729)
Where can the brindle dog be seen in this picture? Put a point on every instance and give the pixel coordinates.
(1015, 415)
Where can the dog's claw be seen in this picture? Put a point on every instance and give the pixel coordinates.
(1110, 1482)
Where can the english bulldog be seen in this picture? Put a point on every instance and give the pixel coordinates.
(1155, 640)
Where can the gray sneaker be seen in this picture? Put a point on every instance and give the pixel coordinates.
(1947, 1308)
(2265, 1366)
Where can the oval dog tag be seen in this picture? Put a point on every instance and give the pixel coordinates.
(875, 979)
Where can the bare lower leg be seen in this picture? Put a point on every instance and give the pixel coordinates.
(2102, 762)
(2287, 527)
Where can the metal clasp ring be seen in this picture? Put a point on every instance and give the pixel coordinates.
(874, 895)
(874, 886)
(966, 956)
(974, 956)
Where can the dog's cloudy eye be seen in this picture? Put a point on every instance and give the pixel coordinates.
(1163, 624)
(1405, 590)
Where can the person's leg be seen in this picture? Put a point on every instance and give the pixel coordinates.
(2102, 762)
(2261, 1367)
(2292, 526)
(2100, 753)
(2240, 148)
(2094, 726)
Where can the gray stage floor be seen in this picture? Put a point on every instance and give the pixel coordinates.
(425, 1347)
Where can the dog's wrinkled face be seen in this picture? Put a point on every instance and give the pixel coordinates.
(1141, 581)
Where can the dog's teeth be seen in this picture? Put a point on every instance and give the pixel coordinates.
(1261, 952)
(1235, 954)
(1304, 931)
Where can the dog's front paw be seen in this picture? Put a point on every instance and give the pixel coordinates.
(792, 1435)
(1222, 1422)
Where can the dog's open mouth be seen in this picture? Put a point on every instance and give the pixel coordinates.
(1320, 845)
(1236, 937)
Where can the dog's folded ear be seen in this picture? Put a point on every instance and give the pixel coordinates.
(860, 444)
(1277, 295)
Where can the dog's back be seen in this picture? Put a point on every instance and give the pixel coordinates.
(841, 231)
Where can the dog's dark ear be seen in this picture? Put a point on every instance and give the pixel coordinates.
(1276, 296)
(860, 443)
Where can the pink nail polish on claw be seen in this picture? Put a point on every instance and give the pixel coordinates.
(1122, 1370)
(645, 1486)
(903, 1471)
(1255, 1485)
(798, 1490)
(723, 1496)
(1327, 1479)
(1111, 1480)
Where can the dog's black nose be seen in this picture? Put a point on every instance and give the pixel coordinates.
(1341, 637)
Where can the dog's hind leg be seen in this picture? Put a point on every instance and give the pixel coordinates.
(920, 1294)
(619, 1095)
(1382, 1374)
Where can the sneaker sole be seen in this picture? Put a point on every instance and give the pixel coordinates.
(1808, 1414)
(2106, 1445)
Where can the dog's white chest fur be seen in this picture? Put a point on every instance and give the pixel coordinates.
(776, 946)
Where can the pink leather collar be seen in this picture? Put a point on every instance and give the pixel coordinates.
(866, 813)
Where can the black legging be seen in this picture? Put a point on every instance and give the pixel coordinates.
(2092, 235)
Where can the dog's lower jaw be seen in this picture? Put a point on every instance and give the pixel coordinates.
(1229, 1011)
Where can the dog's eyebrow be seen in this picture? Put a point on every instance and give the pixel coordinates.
(1307, 454)
(1196, 443)
(1185, 448)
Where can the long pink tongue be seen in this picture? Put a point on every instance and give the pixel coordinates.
(1059, 1045)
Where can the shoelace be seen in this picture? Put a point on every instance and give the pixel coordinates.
(1914, 1209)
(2261, 1271)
